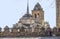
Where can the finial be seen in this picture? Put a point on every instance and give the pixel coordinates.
(27, 6)
(37, 1)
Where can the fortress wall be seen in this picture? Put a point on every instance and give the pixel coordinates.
(34, 38)
(19, 38)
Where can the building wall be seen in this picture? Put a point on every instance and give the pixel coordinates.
(19, 38)
(34, 38)
(41, 15)
(58, 13)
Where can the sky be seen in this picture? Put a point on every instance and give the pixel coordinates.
(12, 10)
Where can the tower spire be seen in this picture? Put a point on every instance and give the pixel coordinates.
(27, 6)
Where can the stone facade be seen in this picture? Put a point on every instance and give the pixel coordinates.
(58, 16)
(24, 32)
(58, 13)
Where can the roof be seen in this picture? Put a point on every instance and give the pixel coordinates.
(37, 7)
(27, 15)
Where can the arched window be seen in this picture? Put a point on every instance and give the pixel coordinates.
(38, 15)
(35, 16)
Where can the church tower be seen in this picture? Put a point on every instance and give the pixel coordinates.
(58, 13)
(38, 13)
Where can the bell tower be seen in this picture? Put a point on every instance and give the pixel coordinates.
(38, 13)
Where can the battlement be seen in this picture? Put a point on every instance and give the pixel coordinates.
(24, 32)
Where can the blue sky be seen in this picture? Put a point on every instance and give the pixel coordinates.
(12, 10)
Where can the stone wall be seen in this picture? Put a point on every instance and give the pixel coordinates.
(34, 38)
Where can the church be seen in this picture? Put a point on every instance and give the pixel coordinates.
(33, 25)
(32, 21)
(29, 24)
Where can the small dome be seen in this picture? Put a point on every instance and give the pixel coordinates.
(37, 7)
(15, 26)
(6, 27)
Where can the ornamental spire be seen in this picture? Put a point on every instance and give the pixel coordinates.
(27, 6)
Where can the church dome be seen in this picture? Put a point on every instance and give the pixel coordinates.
(37, 7)
(6, 27)
(26, 16)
